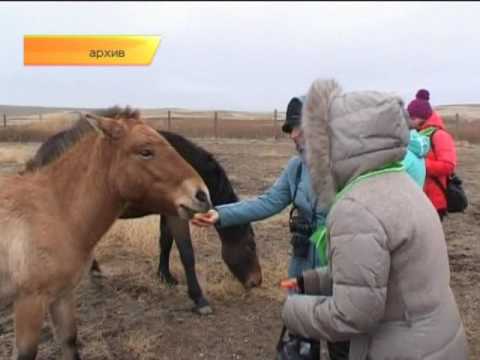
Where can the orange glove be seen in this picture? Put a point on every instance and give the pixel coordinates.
(289, 284)
(294, 283)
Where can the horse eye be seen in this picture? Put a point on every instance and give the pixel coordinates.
(146, 153)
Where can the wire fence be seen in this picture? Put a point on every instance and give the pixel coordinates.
(215, 124)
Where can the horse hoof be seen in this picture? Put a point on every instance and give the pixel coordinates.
(96, 278)
(96, 275)
(168, 279)
(203, 310)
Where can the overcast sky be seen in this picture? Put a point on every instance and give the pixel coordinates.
(248, 56)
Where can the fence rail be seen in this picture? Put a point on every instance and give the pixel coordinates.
(212, 124)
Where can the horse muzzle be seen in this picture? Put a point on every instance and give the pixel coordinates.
(198, 202)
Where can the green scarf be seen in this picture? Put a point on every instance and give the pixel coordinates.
(320, 237)
(428, 131)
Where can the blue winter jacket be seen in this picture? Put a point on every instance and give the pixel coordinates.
(274, 200)
(414, 160)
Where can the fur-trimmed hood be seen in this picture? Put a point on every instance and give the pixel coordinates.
(386, 288)
(348, 134)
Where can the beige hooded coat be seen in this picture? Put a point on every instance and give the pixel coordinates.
(387, 288)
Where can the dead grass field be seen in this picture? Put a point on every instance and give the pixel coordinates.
(131, 315)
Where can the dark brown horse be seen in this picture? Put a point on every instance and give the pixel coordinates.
(238, 242)
(52, 218)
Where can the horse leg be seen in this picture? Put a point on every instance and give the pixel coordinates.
(29, 316)
(165, 243)
(181, 231)
(62, 313)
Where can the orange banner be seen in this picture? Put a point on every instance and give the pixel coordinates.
(89, 49)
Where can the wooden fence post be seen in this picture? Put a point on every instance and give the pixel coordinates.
(215, 124)
(275, 116)
(4, 120)
(457, 125)
(169, 120)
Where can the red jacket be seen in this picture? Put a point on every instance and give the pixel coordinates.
(440, 162)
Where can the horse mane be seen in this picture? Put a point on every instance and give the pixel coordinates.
(208, 167)
(225, 193)
(59, 143)
(116, 112)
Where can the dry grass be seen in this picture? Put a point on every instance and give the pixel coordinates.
(15, 153)
(35, 130)
(467, 130)
(235, 128)
(139, 238)
(138, 345)
(137, 234)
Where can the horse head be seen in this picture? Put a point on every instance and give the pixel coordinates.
(146, 170)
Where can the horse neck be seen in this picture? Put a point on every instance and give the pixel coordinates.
(79, 180)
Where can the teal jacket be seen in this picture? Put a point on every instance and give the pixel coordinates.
(414, 161)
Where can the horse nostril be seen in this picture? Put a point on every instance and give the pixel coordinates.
(253, 282)
(201, 196)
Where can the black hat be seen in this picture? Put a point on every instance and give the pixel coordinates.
(294, 114)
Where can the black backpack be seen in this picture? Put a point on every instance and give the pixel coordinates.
(457, 200)
(454, 193)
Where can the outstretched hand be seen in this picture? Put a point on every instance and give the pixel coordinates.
(205, 219)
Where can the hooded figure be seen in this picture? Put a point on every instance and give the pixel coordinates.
(441, 161)
(387, 285)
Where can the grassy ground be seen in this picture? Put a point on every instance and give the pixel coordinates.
(131, 315)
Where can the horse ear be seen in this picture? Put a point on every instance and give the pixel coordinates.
(111, 128)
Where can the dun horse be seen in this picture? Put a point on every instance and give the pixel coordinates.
(238, 242)
(52, 218)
